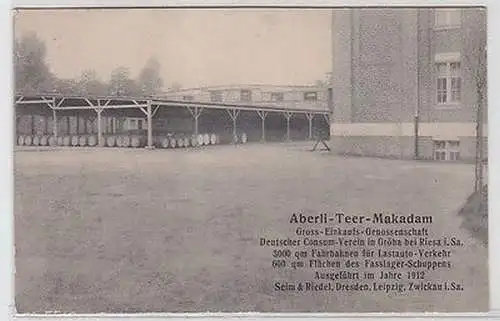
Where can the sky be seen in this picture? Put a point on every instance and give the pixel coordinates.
(196, 47)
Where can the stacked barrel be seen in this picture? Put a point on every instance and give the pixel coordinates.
(186, 140)
(179, 140)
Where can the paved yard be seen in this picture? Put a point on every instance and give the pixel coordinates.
(109, 230)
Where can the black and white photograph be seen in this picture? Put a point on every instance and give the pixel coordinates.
(250, 159)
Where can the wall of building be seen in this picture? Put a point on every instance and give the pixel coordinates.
(293, 96)
(378, 55)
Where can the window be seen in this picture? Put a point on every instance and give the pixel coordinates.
(137, 124)
(216, 95)
(449, 82)
(447, 18)
(446, 150)
(133, 124)
(246, 95)
(277, 96)
(188, 98)
(310, 96)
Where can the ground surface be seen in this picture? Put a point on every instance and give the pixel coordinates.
(109, 230)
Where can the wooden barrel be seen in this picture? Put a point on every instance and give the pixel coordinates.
(66, 140)
(165, 142)
(194, 140)
(92, 140)
(172, 142)
(74, 140)
(111, 141)
(206, 139)
(244, 138)
(44, 140)
(28, 140)
(199, 139)
(60, 140)
(119, 141)
(36, 140)
(126, 141)
(186, 141)
(213, 139)
(136, 141)
(180, 142)
(82, 140)
(52, 141)
(20, 140)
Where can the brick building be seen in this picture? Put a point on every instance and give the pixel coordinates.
(396, 70)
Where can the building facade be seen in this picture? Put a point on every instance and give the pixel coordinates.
(405, 82)
(293, 97)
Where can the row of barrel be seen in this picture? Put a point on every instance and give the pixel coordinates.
(134, 141)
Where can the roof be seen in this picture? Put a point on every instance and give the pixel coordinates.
(67, 102)
(244, 86)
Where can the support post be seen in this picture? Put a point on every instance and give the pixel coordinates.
(288, 115)
(235, 135)
(263, 115)
(99, 124)
(233, 113)
(54, 123)
(196, 112)
(150, 125)
(78, 123)
(310, 117)
(196, 121)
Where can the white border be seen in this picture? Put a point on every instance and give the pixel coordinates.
(6, 149)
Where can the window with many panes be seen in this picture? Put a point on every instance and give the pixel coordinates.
(133, 124)
(310, 96)
(277, 96)
(449, 82)
(446, 150)
(216, 95)
(137, 123)
(447, 18)
(246, 95)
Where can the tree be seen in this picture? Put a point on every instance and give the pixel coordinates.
(120, 83)
(149, 81)
(66, 86)
(89, 84)
(476, 65)
(32, 74)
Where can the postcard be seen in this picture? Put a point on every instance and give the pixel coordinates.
(273, 160)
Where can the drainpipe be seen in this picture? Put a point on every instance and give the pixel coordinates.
(417, 106)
